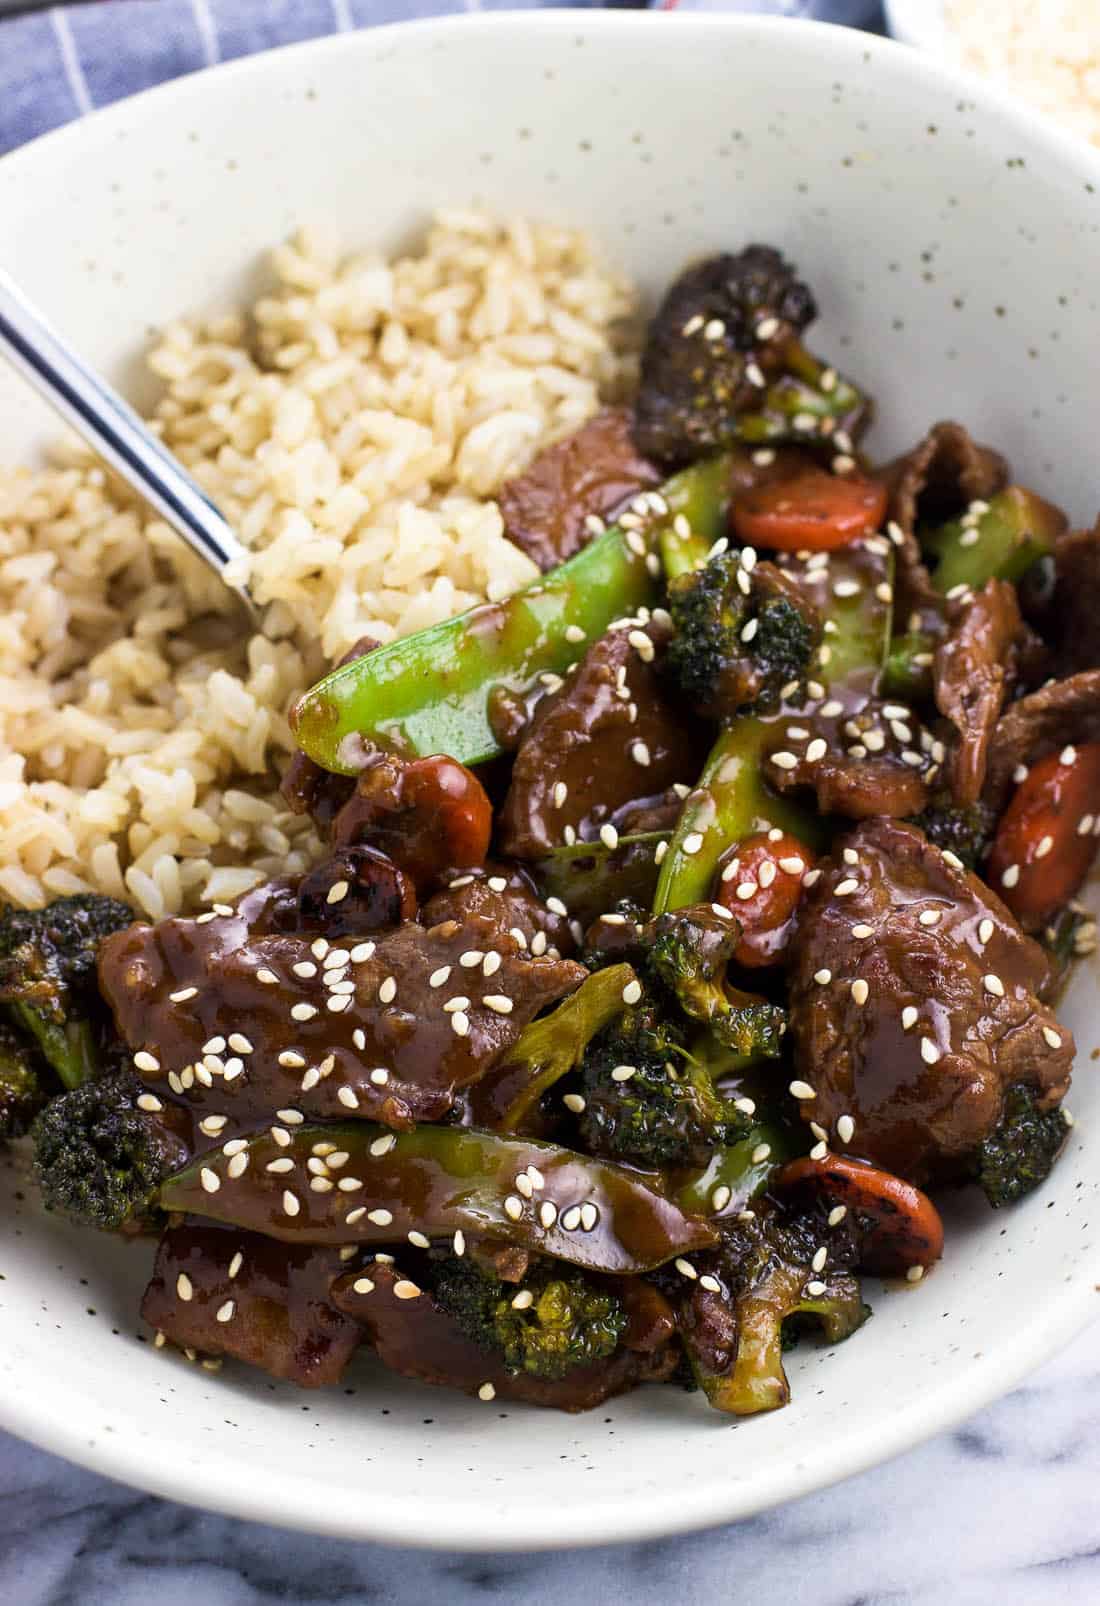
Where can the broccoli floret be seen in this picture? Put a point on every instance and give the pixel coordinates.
(98, 1158)
(24, 1082)
(771, 1295)
(667, 1113)
(966, 831)
(1020, 1152)
(723, 363)
(1072, 935)
(712, 664)
(690, 953)
(570, 1321)
(48, 976)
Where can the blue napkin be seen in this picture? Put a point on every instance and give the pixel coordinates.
(59, 63)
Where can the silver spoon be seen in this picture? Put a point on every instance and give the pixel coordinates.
(115, 432)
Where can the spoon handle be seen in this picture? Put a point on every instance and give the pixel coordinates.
(114, 431)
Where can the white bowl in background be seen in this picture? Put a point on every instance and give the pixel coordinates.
(918, 22)
(954, 242)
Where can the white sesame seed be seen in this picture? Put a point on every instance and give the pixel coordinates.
(844, 888)
(816, 750)
(1085, 824)
(574, 1102)
(1051, 1037)
(380, 1076)
(146, 1061)
(767, 328)
(815, 1288)
(438, 977)
(632, 992)
(863, 932)
(820, 1257)
(929, 1053)
(513, 1207)
(860, 991)
(184, 1287)
(283, 1164)
(404, 1289)
(238, 1165)
(908, 1017)
(210, 1180)
(387, 990)
(746, 1106)
(823, 977)
(845, 1129)
(985, 931)
(685, 1268)
(784, 760)
(279, 1133)
(914, 1274)
(819, 1150)
(303, 1011)
(1068, 755)
(993, 984)
(1011, 876)
(150, 1102)
(183, 995)
(380, 1217)
(337, 892)
(458, 1001)
(930, 917)
(362, 952)
(836, 1215)
(1045, 845)
(548, 1214)
(571, 1218)
(720, 1197)
(460, 1024)
(801, 1090)
(642, 645)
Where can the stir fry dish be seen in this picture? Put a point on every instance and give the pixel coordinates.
(690, 919)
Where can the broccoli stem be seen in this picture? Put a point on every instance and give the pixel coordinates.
(907, 673)
(69, 1047)
(699, 494)
(732, 794)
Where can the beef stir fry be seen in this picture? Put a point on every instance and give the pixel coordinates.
(687, 916)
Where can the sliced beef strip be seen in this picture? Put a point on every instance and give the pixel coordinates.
(221, 1291)
(866, 1058)
(239, 1025)
(609, 735)
(973, 669)
(414, 1337)
(934, 482)
(591, 473)
(1063, 711)
(1074, 608)
(505, 895)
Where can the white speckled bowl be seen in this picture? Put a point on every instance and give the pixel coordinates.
(955, 245)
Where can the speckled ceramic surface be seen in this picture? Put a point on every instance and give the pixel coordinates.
(955, 246)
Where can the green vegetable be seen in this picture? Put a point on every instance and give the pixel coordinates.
(430, 692)
(907, 673)
(98, 1158)
(690, 954)
(966, 830)
(717, 671)
(698, 500)
(570, 1322)
(766, 1268)
(1020, 1152)
(1016, 530)
(732, 795)
(735, 1168)
(24, 1082)
(555, 1044)
(440, 1180)
(591, 878)
(668, 1114)
(48, 976)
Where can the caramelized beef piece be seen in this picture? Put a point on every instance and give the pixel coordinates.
(932, 483)
(309, 789)
(355, 891)
(877, 759)
(591, 473)
(281, 1036)
(608, 735)
(427, 814)
(973, 668)
(1063, 711)
(703, 346)
(222, 1291)
(925, 1087)
(505, 895)
(414, 1337)
(1074, 608)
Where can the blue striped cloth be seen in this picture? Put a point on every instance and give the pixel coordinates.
(59, 63)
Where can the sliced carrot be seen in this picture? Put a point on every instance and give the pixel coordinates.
(1045, 844)
(763, 889)
(817, 511)
(899, 1225)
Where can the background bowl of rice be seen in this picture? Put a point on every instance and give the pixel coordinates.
(356, 283)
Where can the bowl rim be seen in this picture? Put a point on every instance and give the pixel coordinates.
(393, 1520)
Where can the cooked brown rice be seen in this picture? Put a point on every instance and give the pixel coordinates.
(353, 427)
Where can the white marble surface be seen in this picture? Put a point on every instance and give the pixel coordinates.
(1005, 1510)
